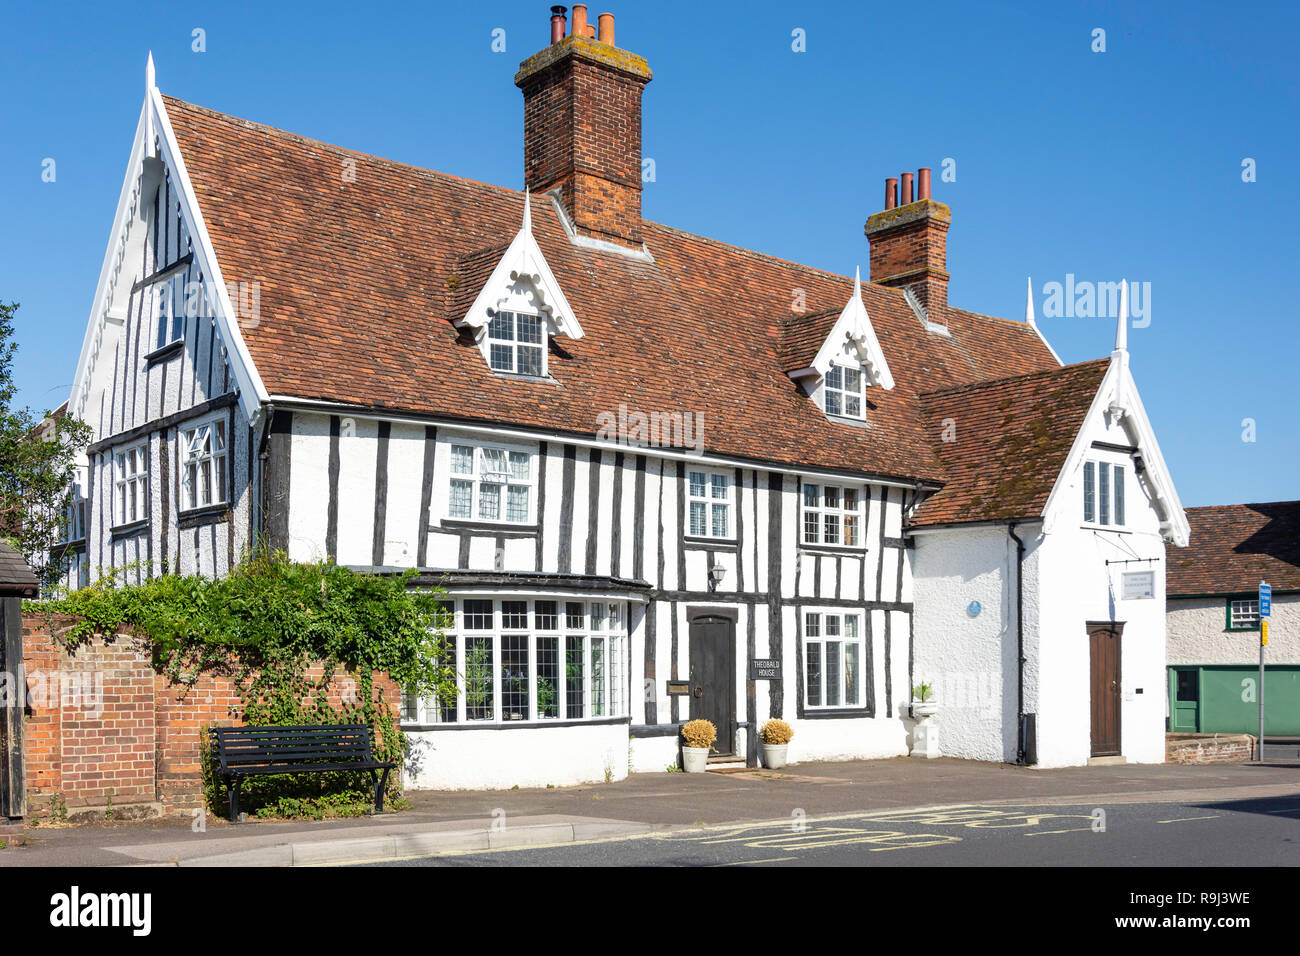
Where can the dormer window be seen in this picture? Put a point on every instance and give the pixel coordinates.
(844, 391)
(516, 343)
(518, 307)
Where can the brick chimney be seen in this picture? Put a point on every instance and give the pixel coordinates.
(582, 126)
(909, 244)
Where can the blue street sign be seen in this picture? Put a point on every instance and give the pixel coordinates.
(1265, 599)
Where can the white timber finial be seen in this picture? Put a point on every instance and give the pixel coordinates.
(528, 212)
(149, 77)
(1121, 331)
(857, 282)
(1029, 300)
(1119, 357)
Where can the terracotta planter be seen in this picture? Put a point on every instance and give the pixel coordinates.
(773, 755)
(695, 759)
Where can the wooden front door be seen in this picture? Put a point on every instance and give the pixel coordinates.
(713, 677)
(1104, 644)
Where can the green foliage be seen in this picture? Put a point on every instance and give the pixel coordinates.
(923, 692)
(37, 468)
(265, 625)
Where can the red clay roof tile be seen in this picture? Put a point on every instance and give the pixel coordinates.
(355, 298)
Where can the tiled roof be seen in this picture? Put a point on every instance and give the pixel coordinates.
(1009, 441)
(355, 302)
(1234, 547)
(16, 578)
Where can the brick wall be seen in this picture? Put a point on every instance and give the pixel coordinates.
(1208, 748)
(102, 724)
(582, 135)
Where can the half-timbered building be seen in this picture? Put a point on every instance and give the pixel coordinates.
(658, 476)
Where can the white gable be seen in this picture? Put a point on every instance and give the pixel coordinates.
(523, 280)
(853, 339)
(153, 149)
(1125, 425)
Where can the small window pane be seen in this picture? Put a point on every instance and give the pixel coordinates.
(530, 360)
(852, 675)
(833, 406)
(514, 676)
(489, 502)
(1089, 492)
(719, 485)
(814, 675)
(514, 615)
(832, 673)
(461, 495)
(501, 357)
(502, 327)
(1119, 495)
(697, 518)
(462, 460)
(519, 464)
(697, 484)
(517, 503)
(720, 521)
(597, 677)
(1103, 493)
(477, 616)
(813, 625)
(574, 615)
(573, 676)
(545, 616)
(480, 699)
(548, 673)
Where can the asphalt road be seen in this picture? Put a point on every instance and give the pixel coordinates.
(1257, 832)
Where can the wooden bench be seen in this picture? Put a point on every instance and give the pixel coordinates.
(239, 752)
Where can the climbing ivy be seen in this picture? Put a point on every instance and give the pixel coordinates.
(266, 624)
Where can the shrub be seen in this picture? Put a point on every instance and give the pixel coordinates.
(699, 733)
(267, 624)
(775, 732)
(923, 692)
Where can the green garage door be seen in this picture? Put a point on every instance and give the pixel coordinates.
(1222, 699)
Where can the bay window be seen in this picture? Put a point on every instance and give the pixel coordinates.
(532, 660)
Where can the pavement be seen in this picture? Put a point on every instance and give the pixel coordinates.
(467, 822)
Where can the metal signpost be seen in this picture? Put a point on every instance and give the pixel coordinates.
(1265, 609)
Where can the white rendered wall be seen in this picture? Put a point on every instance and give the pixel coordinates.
(1197, 634)
(1076, 586)
(493, 759)
(971, 660)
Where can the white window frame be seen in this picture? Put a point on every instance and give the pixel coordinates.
(170, 309)
(513, 343)
(822, 512)
(130, 484)
(843, 394)
(218, 461)
(611, 702)
(1105, 489)
(821, 639)
(710, 501)
(1248, 608)
(480, 475)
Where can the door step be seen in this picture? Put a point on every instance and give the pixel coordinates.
(1117, 760)
(726, 764)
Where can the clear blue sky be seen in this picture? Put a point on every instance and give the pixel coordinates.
(1126, 163)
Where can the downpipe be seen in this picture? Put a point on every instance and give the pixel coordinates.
(1020, 645)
